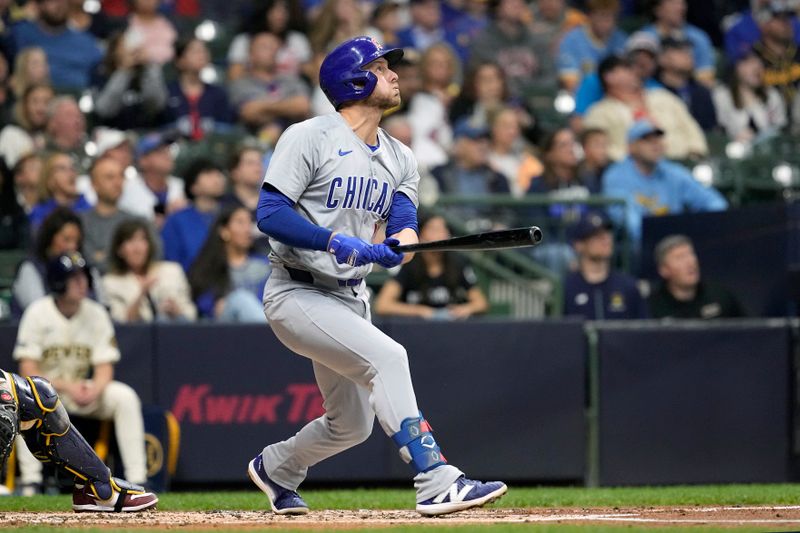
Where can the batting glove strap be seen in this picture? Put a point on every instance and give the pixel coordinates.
(350, 250)
(417, 445)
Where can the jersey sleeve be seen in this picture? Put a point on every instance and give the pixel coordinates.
(292, 164)
(29, 339)
(410, 182)
(105, 348)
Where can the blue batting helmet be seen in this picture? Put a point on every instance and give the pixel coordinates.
(62, 268)
(342, 76)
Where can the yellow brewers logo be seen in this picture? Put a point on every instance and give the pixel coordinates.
(155, 454)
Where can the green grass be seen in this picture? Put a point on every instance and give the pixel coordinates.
(404, 498)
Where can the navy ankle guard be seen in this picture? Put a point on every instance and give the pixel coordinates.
(417, 445)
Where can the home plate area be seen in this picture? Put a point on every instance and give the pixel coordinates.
(779, 516)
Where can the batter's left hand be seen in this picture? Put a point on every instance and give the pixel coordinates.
(385, 256)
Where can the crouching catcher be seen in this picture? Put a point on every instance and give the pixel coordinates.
(31, 407)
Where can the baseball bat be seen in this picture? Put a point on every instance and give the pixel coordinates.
(490, 240)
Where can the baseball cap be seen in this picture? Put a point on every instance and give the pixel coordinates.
(643, 128)
(675, 41)
(589, 224)
(642, 41)
(465, 128)
(151, 142)
(776, 7)
(107, 138)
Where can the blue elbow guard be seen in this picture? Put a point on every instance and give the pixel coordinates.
(417, 445)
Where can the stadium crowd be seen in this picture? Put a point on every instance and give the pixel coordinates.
(112, 112)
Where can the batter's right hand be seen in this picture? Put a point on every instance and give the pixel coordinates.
(350, 250)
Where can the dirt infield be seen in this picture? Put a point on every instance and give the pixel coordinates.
(782, 516)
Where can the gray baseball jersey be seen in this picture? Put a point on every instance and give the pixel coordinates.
(339, 183)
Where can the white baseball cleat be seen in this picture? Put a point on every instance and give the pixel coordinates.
(463, 494)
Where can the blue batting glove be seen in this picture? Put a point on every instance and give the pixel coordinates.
(385, 256)
(350, 250)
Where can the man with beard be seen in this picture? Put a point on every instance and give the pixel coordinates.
(71, 54)
(331, 183)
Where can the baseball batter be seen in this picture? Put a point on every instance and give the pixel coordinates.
(332, 181)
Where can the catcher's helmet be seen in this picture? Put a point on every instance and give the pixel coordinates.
(342, 76)
(62, 267)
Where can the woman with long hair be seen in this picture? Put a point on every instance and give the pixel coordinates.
(746, 108)
(434, 285)
(559, 181)
(227, 280)
(26, 133)
(484, 91)
(30, 68)
(140, 288)
(60, 233)
(428, 109)
(509, 153)
(58, 188)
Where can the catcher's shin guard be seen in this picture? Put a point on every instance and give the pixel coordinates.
(417, 445)
(53, 438)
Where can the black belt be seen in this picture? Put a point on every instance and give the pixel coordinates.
(306, 277)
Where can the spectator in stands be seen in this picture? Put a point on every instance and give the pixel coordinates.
(626, 101)
(642, 51)
(670, 22)
(196, 108)
(676, 64)
(554, 18)
(584, 47)
(683, 294)
(153, 192)
(227, 280)
(27, 178)
(72, 54)
(66, 129)
(559, 181)
(594, 143)
(185, 231)
(266, 100)
(426, 27)
(526, 58)
(151, 32)
(100, 221)
(468, 171)
(246, 169)
(509, 154)
(130, 92)
(60, 233)
(651, 185)
(116, 145)
(335, 22)
(14, 229)
(140, 288)
(746, 107)
(94, 22)
(428, 110)
(463, 22)
(59, 179)
(595, 291)
(484, 91)
(387, 22)
(742, 30)
(434, 285)
(30, 68)
(26, 133)
(777, 49)
(69, 340)
(283, 18)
